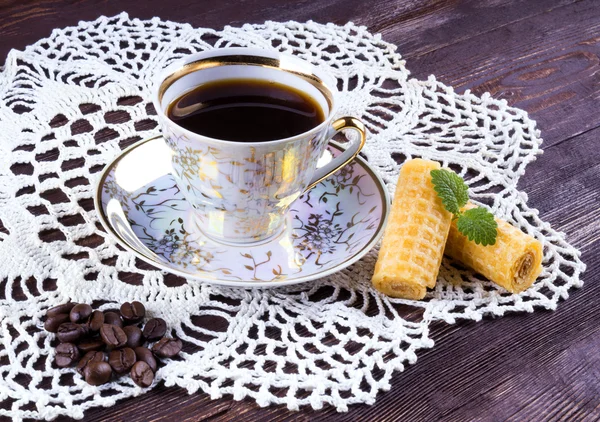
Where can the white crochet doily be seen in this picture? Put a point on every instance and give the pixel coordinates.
(71, 102)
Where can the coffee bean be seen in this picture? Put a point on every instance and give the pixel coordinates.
(141, 374)
(89, 357)
(69, 332)
(155, 328)
(91, 344)
(133, 312)
(80, 312)
(66, 355)
(122, 360)
(54, 321)
(96, 321)
(63, 309)
(134, 336)
(85, 329)
(113, 318)
(167, 347)
(113, 336)
(144, 354)
(97, 373)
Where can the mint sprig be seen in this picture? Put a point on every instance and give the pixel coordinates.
(477, 224)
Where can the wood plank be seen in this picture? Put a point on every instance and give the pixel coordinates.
(564, 185)
(417, 27)
(429, 26)
(546, 64)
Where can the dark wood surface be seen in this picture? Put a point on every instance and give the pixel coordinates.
(540, 55)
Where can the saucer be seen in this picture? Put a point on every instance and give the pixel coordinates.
(328, 228)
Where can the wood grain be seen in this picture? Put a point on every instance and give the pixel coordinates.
(417, 27)
(542, 56)
(546, 64)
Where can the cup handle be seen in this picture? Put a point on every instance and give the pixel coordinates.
(345, 157)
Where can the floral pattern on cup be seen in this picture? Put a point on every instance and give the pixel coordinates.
(242, 195)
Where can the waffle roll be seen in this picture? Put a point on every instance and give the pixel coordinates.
(514, 262)
(415, 235)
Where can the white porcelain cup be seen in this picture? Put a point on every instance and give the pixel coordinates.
(241, 191)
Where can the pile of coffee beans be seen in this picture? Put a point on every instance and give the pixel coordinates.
(105, 343)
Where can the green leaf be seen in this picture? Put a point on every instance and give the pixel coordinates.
(478, 225)
(451, 189)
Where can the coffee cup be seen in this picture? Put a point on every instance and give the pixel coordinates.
(241, 190)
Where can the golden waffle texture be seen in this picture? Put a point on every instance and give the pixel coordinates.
(415, 235)
(513, 262)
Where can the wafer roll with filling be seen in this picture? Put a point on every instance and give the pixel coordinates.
(513, 262)
(415, 235)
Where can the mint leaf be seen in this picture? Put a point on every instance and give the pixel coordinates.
(478, 225)
(451, 189)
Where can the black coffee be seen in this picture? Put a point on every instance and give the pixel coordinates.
(245, 110)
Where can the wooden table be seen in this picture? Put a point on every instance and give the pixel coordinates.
(542, 56)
